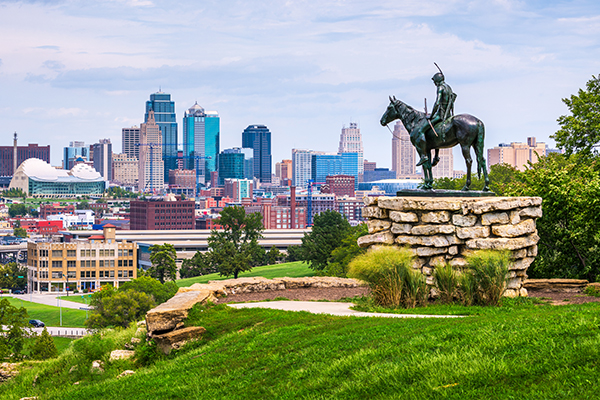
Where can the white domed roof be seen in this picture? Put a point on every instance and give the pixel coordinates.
(84, 171)
(40, 169)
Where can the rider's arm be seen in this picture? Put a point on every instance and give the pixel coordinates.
(436, 105)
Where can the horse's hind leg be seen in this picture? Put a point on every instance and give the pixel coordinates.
(479, 153)
(466, 151)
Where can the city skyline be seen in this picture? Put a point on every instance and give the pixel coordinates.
(80, 71)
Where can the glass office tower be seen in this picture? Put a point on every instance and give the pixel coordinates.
(201, 131)
(258, 138)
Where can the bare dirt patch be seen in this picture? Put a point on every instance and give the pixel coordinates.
(563, 298)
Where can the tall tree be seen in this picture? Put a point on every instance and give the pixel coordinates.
(235, 248)
(199, 264)
(163, 266)
(580, 131)
(568, 230)
(346, 251)
(328, 231)
(13, 324)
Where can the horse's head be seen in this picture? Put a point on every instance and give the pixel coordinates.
(391, 113)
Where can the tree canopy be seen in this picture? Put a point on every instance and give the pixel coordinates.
(235, 248)
(152, 287)
(118, 308)
(13, 275)
(328, 231)
(199, 264)
(163, 266)
(346, 251)
(580, 131)
(500, 176)
(568, 230)
(13, 324)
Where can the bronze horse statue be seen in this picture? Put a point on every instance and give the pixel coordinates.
(463, 129)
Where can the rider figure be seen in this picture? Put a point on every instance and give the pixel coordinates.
(442, 109)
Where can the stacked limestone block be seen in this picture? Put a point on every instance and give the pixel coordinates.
(442, 230)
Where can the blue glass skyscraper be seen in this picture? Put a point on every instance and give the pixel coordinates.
(164, 114)
(201, 135)
(324, 165)
(258, 138)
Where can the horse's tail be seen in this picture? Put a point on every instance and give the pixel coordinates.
(480, 149)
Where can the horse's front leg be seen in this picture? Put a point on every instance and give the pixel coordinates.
(427, 172)
(466, 151)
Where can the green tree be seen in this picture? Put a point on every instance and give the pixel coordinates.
(235, 249)
(500, 176)
(580, 131)
(112, 308)
(20, 232)
(328, 231)
(43, 347)
(294, 253)
(273, 255)
(161, 292)
(13, 324)
(13, 275)
(83, 205)
(198, 265)
(163, 262)
(346, 251)
(569, 228)
(15, 210)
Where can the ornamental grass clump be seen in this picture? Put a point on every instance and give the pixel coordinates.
(388, 272)
(489, 271)
(446, 281)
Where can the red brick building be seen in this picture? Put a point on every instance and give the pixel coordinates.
(55, 209)
(341, 185)
(49, 227)
(158, 214)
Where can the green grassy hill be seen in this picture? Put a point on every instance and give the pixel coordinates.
(291, 269)
(50, 315)
(520, 350)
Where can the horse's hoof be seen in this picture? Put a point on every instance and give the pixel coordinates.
(435, 162)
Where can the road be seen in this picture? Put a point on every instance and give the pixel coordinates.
(48, 299)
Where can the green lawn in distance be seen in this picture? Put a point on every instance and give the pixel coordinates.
(50, 315)
(292, 270)
(76, 298)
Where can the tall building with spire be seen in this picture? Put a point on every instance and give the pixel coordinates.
(258, 138)
(164, 115)
(201, 135)
(151, 167)
(403, 153)
(351, 142)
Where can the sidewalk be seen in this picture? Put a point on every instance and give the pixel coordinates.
(331, 308)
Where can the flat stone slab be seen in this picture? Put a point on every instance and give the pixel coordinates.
(331, 308)
(443, 193)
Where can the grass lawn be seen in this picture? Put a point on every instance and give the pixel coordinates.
(76, 298)
(50, 315)
(291, 269)
(518, 351)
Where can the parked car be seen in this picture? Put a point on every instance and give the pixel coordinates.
(36, 323)
(18, 291)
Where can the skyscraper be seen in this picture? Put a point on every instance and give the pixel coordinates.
(231, 164)
(351, 142)
(258, 138)
(164, 116)
(201, 132)
(301, 167)
(130, 138)
(75, 150)
(403, 153)
(445, 167)
(151, 167)
(283, 169)
(103, 158)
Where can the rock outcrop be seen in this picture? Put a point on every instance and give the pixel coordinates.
(440, 230)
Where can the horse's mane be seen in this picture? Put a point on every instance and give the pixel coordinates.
(409, 115)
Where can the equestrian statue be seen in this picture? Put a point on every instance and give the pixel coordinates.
(442, 129)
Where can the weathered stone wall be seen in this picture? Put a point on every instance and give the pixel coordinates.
(442, 230)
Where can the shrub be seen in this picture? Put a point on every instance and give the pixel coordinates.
(490, 272)
(44, 347)
(446, 281)
(389, 273)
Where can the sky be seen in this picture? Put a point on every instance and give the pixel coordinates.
(83, 70)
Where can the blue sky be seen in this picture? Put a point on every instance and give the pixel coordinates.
(82, 70)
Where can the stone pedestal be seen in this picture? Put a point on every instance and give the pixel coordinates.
(442, 230)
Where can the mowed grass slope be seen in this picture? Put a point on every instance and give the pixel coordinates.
(523, 351)
(50, 315)
(291, 269)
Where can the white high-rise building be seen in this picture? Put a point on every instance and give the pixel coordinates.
(151, 166)
(351, 142)
(301, 167)
(404, 154)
